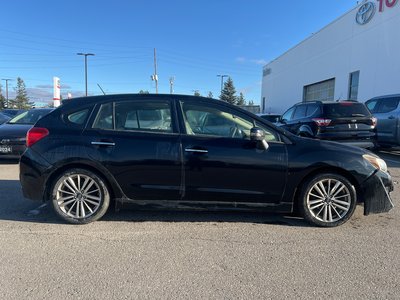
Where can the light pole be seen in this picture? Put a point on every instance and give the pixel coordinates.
(6, 80)
(222, 80)
(86, 55)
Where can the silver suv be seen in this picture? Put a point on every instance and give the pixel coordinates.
(386, 109)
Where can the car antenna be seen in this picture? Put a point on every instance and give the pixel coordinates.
(101, 89)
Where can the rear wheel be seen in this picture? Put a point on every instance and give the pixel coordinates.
(327, 200)
(80, 196)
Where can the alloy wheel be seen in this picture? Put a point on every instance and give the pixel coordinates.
(78, 196)
(329, 200)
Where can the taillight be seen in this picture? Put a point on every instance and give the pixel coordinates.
(322, 122)
(35, 134)
(374, 121)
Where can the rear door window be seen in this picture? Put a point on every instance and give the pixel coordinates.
(300, 112)
(104, 119)
(135, 116)
(147, 116)
(387, 105)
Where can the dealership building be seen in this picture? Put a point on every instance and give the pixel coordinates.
(355, 57)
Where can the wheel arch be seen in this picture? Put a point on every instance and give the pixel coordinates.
(324, 170)
(114, 189)
(305, 130)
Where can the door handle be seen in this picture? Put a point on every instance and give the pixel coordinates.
(194, 150)
(391, 117)
(103, 143)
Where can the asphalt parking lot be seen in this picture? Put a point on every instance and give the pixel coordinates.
(166, 255)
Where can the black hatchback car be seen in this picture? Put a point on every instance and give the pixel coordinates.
(186, 151)
(348, 122)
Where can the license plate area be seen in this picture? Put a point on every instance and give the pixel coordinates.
(5, 149)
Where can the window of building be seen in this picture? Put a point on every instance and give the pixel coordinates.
(353, 85)
(320, 91)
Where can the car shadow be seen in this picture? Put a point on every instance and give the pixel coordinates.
(14, 207)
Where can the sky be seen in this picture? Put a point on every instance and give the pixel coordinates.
(194, 41)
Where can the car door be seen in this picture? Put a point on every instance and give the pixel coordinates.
(297, 119)
(387, 112)
(137, 141)
(221, 164)
(285, 120)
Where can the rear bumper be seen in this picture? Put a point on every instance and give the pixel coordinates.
(17, 151)
(376, 190)
(358, 142)
(32, 175)
(359, 139)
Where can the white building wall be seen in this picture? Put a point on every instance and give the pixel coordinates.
(335, 51)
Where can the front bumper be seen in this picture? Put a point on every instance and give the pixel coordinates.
(376, 190)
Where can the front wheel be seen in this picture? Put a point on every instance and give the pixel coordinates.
(327, 200)
(80, 196)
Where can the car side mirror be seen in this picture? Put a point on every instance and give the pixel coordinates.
(283, 121)
(258, 135)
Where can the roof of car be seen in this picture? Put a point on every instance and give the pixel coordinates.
(100, 98)
(328, 102)
(385, 96)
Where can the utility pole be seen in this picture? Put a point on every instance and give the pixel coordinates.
(171, 84)
(6, 80)
(86, 55)
(222, 80)
(155, 76)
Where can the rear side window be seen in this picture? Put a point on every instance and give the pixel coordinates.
(312, 110)
(78, 117)
(345, 110)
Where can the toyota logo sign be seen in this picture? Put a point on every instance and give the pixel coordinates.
(365, 13)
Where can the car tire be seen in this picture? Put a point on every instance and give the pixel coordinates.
(80, 196)
(327, 200)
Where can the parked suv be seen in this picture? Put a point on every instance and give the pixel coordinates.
(386, 109)
(348, 122)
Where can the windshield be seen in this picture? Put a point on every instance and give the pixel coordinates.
(346, 109)
(29, 117)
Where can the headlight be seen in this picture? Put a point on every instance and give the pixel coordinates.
(376, 162)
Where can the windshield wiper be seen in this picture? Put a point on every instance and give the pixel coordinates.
(358, 115)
